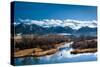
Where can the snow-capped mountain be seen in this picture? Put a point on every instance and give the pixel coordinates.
(56, 26)
(74, 24)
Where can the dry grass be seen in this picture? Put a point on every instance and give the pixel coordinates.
(88, 50)
(22, 53)
(38, 53)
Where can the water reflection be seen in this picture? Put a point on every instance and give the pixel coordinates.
(62, 56)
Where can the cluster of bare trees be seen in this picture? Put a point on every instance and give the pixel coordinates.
(34, 41)
(83, 44)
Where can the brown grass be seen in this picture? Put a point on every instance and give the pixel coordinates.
(38, 52)
(89, 50)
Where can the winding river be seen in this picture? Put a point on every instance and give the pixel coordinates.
(62, 56)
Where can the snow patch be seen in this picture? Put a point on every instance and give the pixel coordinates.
(74, 24)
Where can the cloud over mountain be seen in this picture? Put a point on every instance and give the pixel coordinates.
(73, 27)
(74, 24)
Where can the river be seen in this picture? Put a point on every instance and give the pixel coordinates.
(62, 56)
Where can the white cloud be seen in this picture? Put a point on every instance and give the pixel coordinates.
(74, 24)
(16, 23)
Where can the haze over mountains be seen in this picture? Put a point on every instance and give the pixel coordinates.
(52, 26)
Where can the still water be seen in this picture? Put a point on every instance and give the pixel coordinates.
(62, 56)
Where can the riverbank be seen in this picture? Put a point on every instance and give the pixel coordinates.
(30, 52)
(37, 52)
(88, 50)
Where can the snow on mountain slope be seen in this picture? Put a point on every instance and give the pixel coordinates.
(74, 24)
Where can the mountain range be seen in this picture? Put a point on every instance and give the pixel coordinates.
(56, 26)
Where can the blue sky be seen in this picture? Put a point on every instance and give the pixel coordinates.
(39, 11)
